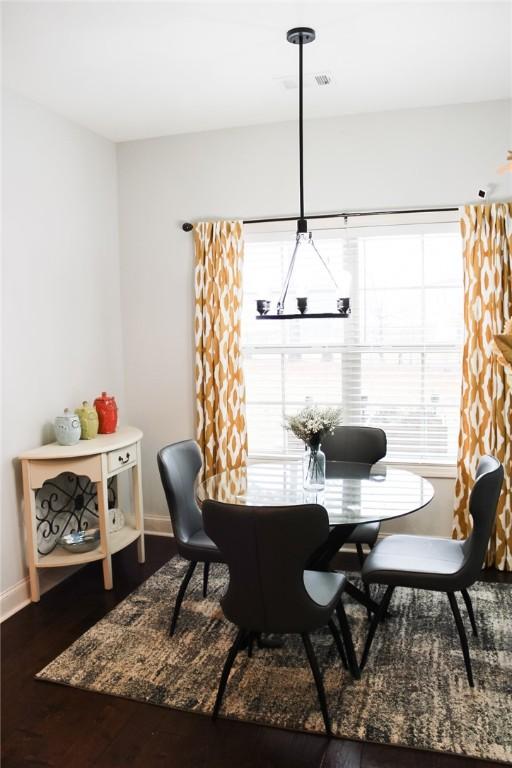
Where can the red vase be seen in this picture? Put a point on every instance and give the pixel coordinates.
(107, 413)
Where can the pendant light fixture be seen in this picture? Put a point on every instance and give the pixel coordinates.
(301, 36)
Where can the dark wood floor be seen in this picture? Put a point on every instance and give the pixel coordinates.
(50, 725)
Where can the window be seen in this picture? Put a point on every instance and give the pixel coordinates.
(395, 363)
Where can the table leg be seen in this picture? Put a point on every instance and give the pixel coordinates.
(29, 497)
(102, 495)
(360, 596)
(338, 536)
(137, 505)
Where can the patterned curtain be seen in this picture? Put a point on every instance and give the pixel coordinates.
(220, 392)
(486, 407)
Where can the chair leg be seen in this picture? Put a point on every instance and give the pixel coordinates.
(462, 635)
(206, 571)
(360, 554)
(347, 641)
(339, 644)
(360, 557)
(318, 680)
(238, 641)
(181, 595)
(383, 606)
(469, 607)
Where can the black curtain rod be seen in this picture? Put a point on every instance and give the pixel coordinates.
(187, 226)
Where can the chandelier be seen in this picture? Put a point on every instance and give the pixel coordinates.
(301, 36)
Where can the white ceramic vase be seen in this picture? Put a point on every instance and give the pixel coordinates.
(67, 428)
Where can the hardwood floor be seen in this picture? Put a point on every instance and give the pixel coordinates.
(47, 725)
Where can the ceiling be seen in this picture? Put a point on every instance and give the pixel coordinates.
(131, 70)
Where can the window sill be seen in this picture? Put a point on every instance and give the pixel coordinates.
(425, 470)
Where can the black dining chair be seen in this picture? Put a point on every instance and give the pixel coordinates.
(269, 590)
(179, 465)
(441, 565)
(357, 445)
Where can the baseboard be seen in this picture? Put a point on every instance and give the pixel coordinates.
(14, 599)
(17, 597)
(156, 525)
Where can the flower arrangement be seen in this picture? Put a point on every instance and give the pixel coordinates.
(312, 422)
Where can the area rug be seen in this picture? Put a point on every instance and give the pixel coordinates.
(413, 691)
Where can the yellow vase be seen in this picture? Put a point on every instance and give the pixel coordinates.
(88, 420)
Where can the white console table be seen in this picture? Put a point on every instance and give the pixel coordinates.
(99, 459)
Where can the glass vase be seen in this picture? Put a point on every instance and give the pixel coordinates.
(313, 466)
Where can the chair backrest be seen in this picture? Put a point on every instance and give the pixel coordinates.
(179, 465)
(483, 502)
(266, 550)
(362, 445)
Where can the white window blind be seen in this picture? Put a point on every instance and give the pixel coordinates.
(395, 363)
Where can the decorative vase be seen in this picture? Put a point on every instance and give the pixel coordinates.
(67, 428)
(89, 421)
(313, 466)
(107, 413)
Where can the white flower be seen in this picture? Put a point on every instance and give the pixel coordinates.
(312, 422)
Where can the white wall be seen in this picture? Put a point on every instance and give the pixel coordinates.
(423, 157)
(61, 300)
(63, 339)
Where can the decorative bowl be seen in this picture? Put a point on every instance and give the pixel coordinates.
(81, 541)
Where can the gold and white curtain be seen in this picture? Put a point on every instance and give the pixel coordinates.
(220, 393)
(486, 406)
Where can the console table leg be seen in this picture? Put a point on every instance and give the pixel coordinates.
(35, 594)
(141, 550)
(29, 496)
(137, 505)
(108, 582)
(102, 496)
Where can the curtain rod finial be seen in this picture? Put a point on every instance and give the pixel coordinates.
(187, 227)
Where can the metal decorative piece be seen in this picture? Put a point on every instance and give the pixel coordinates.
(66, 505)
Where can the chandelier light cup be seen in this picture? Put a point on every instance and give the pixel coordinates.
(262, 306)
(343, 306)
(302, 304)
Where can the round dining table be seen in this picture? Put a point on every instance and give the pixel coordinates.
(353, 494)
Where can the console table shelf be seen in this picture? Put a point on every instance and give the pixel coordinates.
(100, 459)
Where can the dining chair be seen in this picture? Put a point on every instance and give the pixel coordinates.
(357, 445)
(441, 565)
(179, 465)
(269, 590)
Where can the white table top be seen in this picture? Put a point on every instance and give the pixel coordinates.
(100, 444)
(354, 493)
